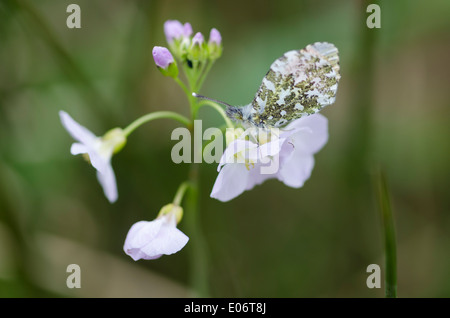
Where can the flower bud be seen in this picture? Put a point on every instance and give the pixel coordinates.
(198, 39)
(197, 49)
(165, 61)
(214, 44)
(187, 30)
(215, 37)
(173, 29)
(162, 57)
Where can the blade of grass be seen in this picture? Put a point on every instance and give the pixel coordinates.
(362, 71)
(389, 235)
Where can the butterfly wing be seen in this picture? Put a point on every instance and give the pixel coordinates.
(299, 83)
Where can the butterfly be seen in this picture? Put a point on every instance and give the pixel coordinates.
(299, 83)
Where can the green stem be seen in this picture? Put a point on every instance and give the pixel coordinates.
(179, 82)
(389, 236)
(204, 73)
(180, 193)
(199, 254)
(188, 90)
(152, 116)
(357, 150)
(219, 109)
(197, 73)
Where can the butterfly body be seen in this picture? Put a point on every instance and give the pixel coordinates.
(299, 83)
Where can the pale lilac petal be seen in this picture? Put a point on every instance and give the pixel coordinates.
(78, 148)
(296, 169)
(286, 150)
(215, 37)
(139, 235)
(108, 181)
(150, 240)
(169, 240)
(141, 232)
(271, 148)
(77, 131)
(247, 148)
(231, 182)
(255, 177)
(310, 133)
(100, 163)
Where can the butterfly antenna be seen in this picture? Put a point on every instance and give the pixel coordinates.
(232, 112)
(211, 99)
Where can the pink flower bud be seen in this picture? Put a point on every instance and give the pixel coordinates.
(215, 37)
(162, 56)
(173, 29)
(198, 39)
(187, 29)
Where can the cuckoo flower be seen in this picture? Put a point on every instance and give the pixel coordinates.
(98, 150)
(288, 157)
(152, 239)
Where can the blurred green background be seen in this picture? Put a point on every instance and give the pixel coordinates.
(392, 111)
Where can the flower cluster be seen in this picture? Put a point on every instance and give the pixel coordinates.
(192, 51)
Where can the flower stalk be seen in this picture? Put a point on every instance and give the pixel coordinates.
(156, 115)
(195, 60)
(180, 193)
(219, 109)
(198, 257)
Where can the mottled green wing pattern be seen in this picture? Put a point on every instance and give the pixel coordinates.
(299, 83)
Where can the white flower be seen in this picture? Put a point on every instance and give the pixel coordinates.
(253, 157)
(152, 239)
(99, 151)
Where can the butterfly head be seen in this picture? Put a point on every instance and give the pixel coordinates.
(235, 113)
(242, 115)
